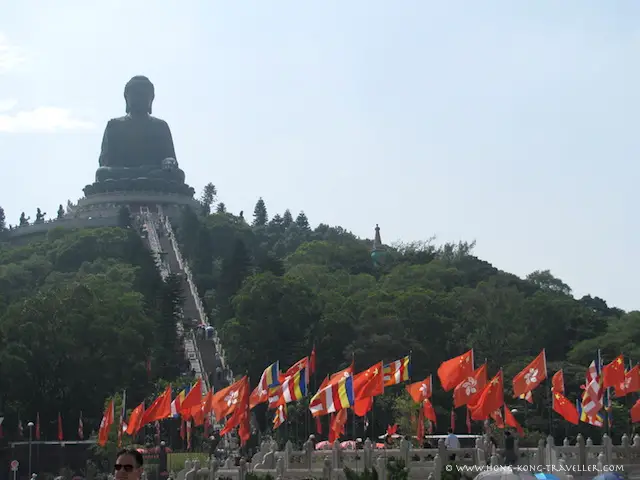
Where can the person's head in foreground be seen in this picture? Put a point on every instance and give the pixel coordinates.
(128, 464)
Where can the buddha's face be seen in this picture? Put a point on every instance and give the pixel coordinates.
(139, 96)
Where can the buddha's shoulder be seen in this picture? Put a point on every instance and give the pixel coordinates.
(120, 121)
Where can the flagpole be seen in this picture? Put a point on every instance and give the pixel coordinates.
(626, 400)
(353, 366)
(549, 401)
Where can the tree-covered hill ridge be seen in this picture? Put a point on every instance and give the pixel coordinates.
(275, 286)
(83, 314)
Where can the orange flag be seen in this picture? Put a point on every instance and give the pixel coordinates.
(631, 382)
(105, 425)
(490, 399)
(613, 373)
(159, 409)
(336, 428)
(452, 372)
(563, 407)
(557, 382)
(241, 415)
(429, 412)
(193, 399)
(420, 391)
(511, 421)
(467, 391)
(635, 412)
(135, 420)
(531, 376)
(225, 401)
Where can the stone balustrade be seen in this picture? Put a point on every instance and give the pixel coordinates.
(583, 459)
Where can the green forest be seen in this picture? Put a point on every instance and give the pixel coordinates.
(81, 313)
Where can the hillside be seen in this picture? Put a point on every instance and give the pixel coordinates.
(275, 287)
(82, 312)
(82, 315)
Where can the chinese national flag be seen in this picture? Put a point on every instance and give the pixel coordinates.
(193, 399)
(613, 373)
(635, 412)
(369, 383)
(511, 421)
(557, 382)
(455, 370)
(631, 382)
(531, 376)
(428, 411)
(420, 391)
(491, 398)
(563, 407)
(467, 391)
(159, 409)
(135, 420)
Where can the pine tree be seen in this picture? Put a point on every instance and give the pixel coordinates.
(302, 221)
(209, 195)
(3, 220)
(287, 218)
(221, 208)
(260, 213)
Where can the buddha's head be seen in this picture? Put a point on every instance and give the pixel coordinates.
(139, 94)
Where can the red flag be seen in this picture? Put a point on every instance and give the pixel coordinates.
(60, 433)
(420, 390)
(468, 421)
(453, 371)
(511, 421)
(105, 425)
(635, 412)
(183, 429)
(241, 414)
(312, 360)
(159, 409)
(336, 428)
(38, 426)
(369, 383)
(135, 420)
(613, 373)
(531, 376)
(469, 389)
(392, 429)
(318, 426)
(631, 382)
(490, 399)
(80, 427)
(420, 427)
(563, 407)
(429, 412)
(557, 382)
(453, 420)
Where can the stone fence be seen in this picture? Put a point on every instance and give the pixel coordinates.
(569, 460)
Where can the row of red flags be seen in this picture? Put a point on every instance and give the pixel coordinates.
(470, 387)
(37, 434)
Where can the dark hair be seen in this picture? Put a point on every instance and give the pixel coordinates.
(134, 453)
(507, 433)
(450, 430)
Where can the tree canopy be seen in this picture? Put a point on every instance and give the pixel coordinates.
(82, 315)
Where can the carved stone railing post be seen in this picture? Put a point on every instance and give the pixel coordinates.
(442, 450)
(327, 469)
(242, 470)
(281, 468)
(582, 451)
(335, 456)
(540, 457)
(367, 454)
(479, 456)
(438, 464)
(405, 447)
(308, 453)
(213, 468)
(287, 453)
(607, 445)
(381, 468)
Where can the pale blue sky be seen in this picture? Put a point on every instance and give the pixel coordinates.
(514, 123)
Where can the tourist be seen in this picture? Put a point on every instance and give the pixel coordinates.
(128, 464)
(452, 443)
(510, 457)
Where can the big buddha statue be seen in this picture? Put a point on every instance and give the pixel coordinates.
(137, 150)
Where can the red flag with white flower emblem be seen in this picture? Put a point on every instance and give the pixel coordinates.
(532, 376)
(470, 387)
